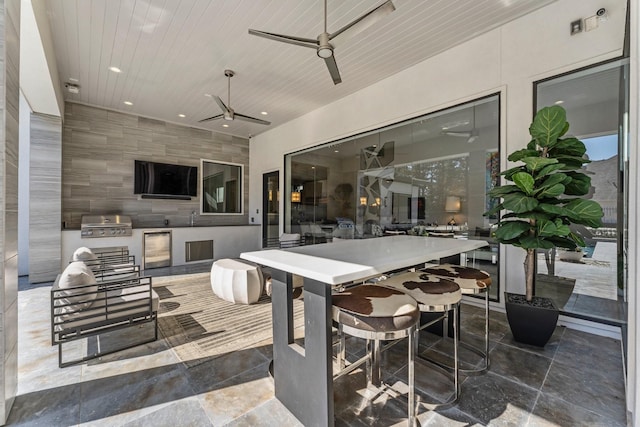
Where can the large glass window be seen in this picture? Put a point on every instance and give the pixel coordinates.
(426, 176)
(591, 283)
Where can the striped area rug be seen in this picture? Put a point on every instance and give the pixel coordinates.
(200, 326)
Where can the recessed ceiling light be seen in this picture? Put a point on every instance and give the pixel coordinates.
(181, 115)
(264, 113)
(336, 151)
(225, 125)
(558, 102)
(128, 103)
(208, 95)
(115, 69)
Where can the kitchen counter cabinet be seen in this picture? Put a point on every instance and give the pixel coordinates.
(228, 241)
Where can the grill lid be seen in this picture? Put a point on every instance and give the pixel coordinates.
(105, 226)
(105, 221)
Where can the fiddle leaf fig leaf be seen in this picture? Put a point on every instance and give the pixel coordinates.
(546, 228)
(561, 228)
(529, 215)
(521, 154)
(534, 164)
(579, 241)
(519, 203)
(494, 210)
(524, 181)
(509, 172)
(580, 184)
(509, 230)
(563, 242)
(553, 209)
(532, 242)
(548, 125)
(552, 191)
(556, 178)
(502, 190)
(569, 147)
(547, 170)
(572, 162)
(585, 212)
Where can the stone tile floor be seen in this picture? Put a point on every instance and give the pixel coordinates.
(576, 380)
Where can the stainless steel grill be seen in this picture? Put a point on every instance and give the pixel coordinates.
(105, 226)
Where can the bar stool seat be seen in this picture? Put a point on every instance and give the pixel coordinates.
(434, 295)
(376, 313)
(471, 281)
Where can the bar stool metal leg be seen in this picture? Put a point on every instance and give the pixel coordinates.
(374, 373)
(472, 281)
(391, 316)
(434, 295)
(413, 334)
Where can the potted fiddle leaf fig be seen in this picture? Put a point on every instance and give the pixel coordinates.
(543, 200)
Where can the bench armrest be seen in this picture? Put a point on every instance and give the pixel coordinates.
(115, 302)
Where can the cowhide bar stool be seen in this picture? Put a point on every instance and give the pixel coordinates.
(376, 313)
(471, 281)
(434, 295)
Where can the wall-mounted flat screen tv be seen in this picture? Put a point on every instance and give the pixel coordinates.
(163, 180)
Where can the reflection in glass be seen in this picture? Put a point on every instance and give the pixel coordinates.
(590, 283)
(397, 180)
(221, 188)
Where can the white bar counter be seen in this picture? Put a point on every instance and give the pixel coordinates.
(303, 376)
(360, 259)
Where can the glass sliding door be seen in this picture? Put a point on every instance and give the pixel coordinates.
(270, 209)
(426, 176)
(591, 283)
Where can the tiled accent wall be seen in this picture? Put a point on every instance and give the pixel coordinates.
(45, 238)
(9, 119)
(98, 152)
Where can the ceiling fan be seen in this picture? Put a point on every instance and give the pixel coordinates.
(227, 112)
(471, 135)
(324, 44)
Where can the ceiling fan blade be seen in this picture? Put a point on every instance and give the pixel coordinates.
(223, 107)
(219, 116)
(363, 22)
(333, 69)
(299, 41)
(251, 119)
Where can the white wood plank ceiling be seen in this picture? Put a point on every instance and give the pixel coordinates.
(173, 52)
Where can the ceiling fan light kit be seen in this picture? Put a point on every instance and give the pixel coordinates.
(227, 112)
(323, 43)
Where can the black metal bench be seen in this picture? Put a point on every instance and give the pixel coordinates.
(117, 304)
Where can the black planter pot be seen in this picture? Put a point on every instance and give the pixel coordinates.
(531, 323)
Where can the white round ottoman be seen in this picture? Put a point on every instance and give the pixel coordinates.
(236, 281)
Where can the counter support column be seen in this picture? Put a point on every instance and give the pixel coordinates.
(297, 367)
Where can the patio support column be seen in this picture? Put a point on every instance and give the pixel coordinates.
(45, 198)
(9, 119)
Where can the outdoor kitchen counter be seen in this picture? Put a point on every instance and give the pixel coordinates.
(228, 241)
(303, 374)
